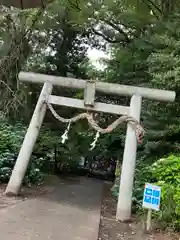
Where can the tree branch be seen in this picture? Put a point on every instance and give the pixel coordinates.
(155, 6)
(105, 37)
(150, 8)
(118, 29)
(75, 4)
(12, 92)
(34, 21)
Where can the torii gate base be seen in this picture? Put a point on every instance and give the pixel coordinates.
(129, 158)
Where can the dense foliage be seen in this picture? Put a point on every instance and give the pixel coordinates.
(49, 155)
(166, 174)
(10, 140)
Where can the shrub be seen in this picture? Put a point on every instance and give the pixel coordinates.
(11, 138)
(142, 175)
(166, 172)
(34, 173)
(115, 188)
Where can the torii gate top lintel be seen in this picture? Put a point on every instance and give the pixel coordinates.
(108, 88)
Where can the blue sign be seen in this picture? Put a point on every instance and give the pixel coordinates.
(152, 196)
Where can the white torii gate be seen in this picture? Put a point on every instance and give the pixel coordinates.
(129, 157)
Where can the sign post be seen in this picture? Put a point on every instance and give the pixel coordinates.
(151, 201)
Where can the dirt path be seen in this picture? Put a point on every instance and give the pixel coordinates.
(110, 229)
(50, 183)
(27, 193)
(71, 212)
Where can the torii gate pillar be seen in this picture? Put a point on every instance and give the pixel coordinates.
(128, 166)
(30, 138)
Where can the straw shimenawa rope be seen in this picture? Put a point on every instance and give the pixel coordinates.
(125, 118)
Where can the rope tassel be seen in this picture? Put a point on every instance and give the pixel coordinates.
(93, 144)
(65, 135)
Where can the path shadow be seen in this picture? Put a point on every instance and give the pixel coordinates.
(81, 192)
